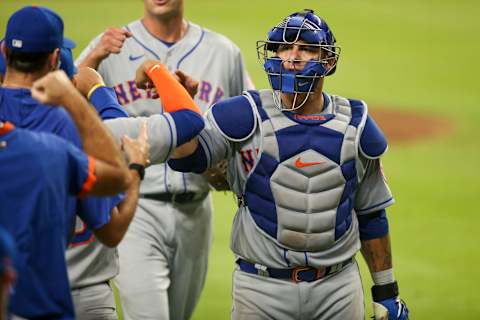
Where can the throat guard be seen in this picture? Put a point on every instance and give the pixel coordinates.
(288, 81)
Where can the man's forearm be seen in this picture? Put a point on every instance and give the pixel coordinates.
(91, 60)
(113, 232)
(377, 253)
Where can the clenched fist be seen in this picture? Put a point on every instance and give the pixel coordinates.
(190, 84)
(53, 89)
(111, 42)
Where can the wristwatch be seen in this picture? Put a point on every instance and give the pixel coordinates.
(140, 168)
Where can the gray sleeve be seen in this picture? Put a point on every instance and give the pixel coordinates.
(162, 134)
(240, 79)
(215, 145)
(373, 193)
(88, 49)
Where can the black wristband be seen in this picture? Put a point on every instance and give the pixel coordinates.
(385, 291)
(140, 168)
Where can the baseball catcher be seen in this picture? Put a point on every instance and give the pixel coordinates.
(305, 166)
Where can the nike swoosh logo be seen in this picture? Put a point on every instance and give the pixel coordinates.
(133, 58)
(300, 164)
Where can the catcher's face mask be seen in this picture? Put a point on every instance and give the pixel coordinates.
(297, 53)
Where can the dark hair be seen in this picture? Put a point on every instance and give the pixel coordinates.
(27, 62)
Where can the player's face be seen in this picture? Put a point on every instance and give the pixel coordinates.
(163, 8)
(296, 55)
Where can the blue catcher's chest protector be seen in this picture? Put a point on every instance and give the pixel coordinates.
(301, 191)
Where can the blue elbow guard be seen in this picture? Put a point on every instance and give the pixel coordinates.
(196, 162)
(373, 225)
(105, 102)
(227, 114)
(188, 124)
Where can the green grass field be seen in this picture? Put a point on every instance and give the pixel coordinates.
(412, 55)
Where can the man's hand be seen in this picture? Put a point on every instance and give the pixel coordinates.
(142, 81)
(85, 79)
(53, 88)
(111, 42)
(187, 82)
(138, 150)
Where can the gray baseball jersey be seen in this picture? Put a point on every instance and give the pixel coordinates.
(217, 64)
(204, 55)
(302, 178)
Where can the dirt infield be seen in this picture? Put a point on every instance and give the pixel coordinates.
(407, 127)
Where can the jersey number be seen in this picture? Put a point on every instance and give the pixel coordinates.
(83, 235)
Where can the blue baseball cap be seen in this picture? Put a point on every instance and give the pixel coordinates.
(66, 58)
(34, 29)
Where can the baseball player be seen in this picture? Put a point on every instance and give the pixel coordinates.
(162, 274)
(29, 57)
(90, 263)
(38, 219)
(305, 166)
(7, 271)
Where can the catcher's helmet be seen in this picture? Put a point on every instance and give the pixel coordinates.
(314, 32)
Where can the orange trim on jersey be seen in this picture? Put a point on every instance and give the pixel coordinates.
(82, 243)
(6, 128)
(90, 180)
(173, 95)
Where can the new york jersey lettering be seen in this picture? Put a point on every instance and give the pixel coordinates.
(127, 92)
(248, 161)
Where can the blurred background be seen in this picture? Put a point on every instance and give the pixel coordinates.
(414, 56)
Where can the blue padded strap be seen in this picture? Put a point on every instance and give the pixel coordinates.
(234, 118)
(373, 225)
(188, 124)
(373, 142)
(196, 162)
(256, 97)
(258, 102)
(358, 109)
